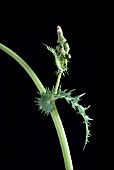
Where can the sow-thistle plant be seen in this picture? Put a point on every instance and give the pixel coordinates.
(46, 99)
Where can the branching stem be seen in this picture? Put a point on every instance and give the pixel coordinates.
(54, 113)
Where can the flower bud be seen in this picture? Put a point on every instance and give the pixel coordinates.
(61, 39)
(58, 48)
(68, 56)
(66, 47)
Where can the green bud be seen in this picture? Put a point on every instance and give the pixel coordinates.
(66, 47)
(58, 48)
(68, 56)
(61, 39)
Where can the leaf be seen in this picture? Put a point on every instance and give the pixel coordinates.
(45, 104)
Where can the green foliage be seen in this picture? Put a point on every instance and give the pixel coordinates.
(61, 53)
(45, 103)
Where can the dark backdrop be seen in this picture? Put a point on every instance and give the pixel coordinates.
(28, 138)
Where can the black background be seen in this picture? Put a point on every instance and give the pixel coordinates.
(28, 138)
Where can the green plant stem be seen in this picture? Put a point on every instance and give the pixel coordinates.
(27, 68)
(61, 132)
(58, 82)
(54, 114)
(62, 139)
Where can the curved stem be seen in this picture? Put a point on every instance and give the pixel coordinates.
(62, 139)
(27, 68)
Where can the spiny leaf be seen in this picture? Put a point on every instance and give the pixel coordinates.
(45, 104)
(51, 49)
(86, 122)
